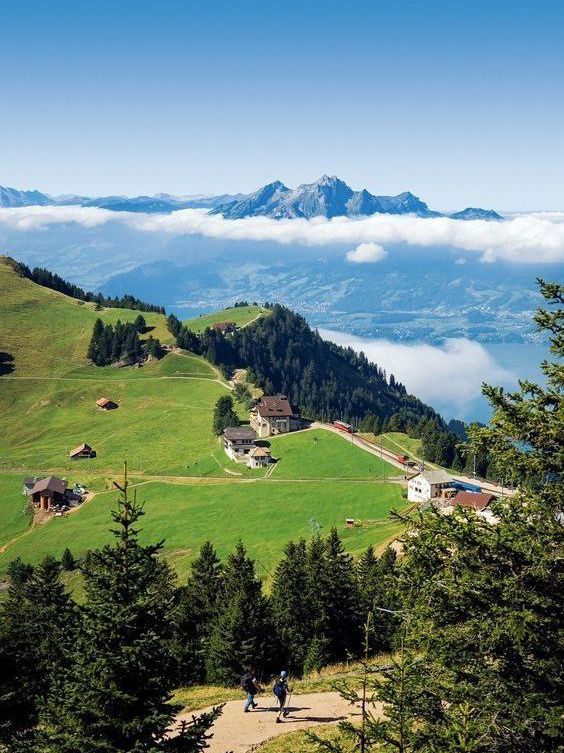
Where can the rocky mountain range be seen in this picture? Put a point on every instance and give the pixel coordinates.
(329, 196)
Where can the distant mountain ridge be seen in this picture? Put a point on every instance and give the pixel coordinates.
(329, 196)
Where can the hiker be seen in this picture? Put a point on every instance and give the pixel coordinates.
(281, 691)
(251, 687)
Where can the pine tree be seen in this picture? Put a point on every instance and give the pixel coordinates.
(317, 654)
(68, 561)
(196, 613)
(341, 600)
(243, 632)
(224, 414)
(38, 621)
(116, 696)
(173, 325)
(291, 607)
(140, 324)
(152, 347)
(95, 348)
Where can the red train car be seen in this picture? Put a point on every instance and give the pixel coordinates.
(342, 426)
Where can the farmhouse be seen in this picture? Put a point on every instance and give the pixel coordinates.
(238, 441)
(82, 451)
(259, 457)
(273, 415)
(105, 404)
(426, 485)
(225, 327)
(48, 492)
(476, 500)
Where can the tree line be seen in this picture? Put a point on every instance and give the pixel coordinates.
(120, 342)
(53, 281)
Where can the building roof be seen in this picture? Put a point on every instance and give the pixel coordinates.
(259, 452)
(51, 484)
(476, 500)
(81, 448)
(434, 477)
(30, 480)
(103, 401)
(233, 433)
(274, 405)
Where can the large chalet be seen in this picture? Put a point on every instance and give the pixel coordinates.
(273, 415)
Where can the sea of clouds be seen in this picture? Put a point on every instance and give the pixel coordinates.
(535, 238)
(448, 376)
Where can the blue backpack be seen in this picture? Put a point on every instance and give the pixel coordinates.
(279, 689)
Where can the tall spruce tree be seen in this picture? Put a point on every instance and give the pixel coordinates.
(38, 622)
(116, 696)
(243, 631)
(291, 607)
(224, 414)
(196, 613)
(341, 600)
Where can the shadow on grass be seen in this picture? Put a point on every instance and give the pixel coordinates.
(6, 363)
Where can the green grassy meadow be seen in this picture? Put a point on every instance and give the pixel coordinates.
(13, 518)
(241, 315)
(397, 442)
(322, 454)
(264, 514)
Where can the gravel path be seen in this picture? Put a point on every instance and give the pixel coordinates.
(241, 733)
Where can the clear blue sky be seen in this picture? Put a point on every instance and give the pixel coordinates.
(461, 102)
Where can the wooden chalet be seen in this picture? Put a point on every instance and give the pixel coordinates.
(225, 327)
(82, 451)
(258, 457)
(105, 404)
(48, 492)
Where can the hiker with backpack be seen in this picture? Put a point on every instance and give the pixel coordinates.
(250, 686)
(281, 691)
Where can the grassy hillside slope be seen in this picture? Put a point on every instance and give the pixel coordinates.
(163, 429)
(265, 515)
(241, 315)
(47, 332)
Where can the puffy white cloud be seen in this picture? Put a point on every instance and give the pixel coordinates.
(451, 374)
(367, 253)
(534, 238)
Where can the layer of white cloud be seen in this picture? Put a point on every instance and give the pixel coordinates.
(366, 253)
(451, 374)
(534, 238)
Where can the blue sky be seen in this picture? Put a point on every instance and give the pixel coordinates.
(462, 103)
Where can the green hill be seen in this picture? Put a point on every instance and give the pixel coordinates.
(239, 315)
(162, 427)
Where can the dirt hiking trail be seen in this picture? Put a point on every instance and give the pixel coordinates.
(241, 733)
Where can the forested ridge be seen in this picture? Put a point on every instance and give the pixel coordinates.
(325, 381)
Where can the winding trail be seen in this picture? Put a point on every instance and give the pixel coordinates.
(241, 733)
